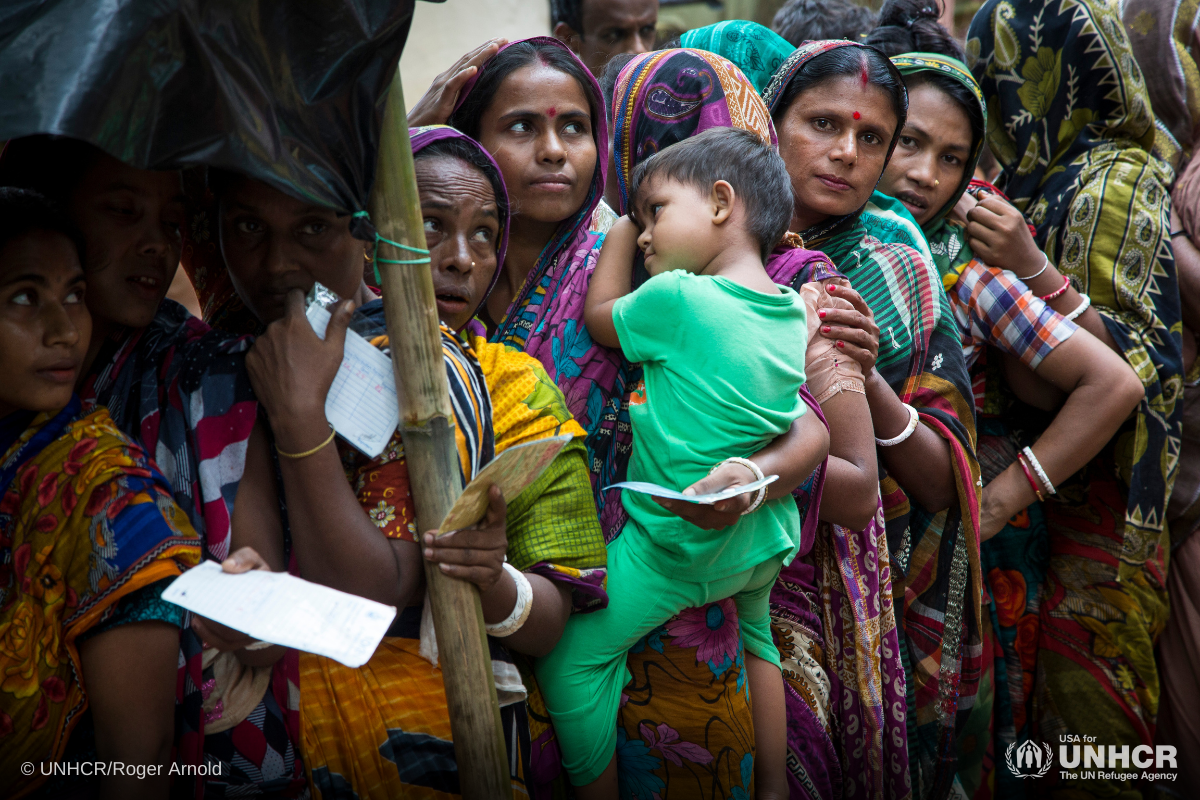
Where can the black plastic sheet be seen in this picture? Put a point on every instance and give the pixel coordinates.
(287, 91)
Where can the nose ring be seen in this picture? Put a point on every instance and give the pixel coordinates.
(472, 263)
(935, 183)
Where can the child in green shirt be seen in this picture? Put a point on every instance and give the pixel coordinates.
(722, 352)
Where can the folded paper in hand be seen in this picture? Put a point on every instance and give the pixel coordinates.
(283, 609)
(703, 499)
(361, 405)
(513, 471)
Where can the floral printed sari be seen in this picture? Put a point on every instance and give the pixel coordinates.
(1070, 121)
(85, 521)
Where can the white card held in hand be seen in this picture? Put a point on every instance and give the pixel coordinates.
(703, 499)
(282, 609)
(361, 405)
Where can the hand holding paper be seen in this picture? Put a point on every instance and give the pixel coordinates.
(709, 499)
(282, 609)
(361, 405)
(513, 471)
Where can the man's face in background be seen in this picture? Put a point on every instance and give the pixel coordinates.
(611, 27)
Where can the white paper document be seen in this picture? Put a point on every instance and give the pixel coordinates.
(361, 405)
(282, 609)
(702, 499)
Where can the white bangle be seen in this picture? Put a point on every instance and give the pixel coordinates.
(761, 495)
(913, 419)
(1037, 468)
(1045, 267)
(521, 608)
(1087, 301)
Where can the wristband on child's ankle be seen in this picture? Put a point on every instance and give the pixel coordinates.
(761, 496)
(521, 608)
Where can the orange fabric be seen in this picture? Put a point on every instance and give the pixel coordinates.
(396, 691)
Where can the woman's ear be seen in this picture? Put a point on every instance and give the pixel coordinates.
(722, 198)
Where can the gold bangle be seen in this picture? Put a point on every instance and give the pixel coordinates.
(308, 453)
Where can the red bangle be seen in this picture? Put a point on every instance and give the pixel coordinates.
(1029, 476)
(1060, 291)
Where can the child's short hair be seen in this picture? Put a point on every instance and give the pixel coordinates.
(24, 210)
(754, 170)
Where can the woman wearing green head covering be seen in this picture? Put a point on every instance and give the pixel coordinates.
(756, 49)
(759, 52)
(1013, 343)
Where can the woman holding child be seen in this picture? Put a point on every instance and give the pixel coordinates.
(849, 475)
(510, 114)
(839, 108)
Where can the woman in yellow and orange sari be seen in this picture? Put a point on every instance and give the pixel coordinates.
(383, 730)
(89, 538)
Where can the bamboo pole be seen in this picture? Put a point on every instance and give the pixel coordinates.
(427, 427)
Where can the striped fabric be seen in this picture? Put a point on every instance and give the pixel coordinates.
(180, 389)
(994, 307)
(468, 391)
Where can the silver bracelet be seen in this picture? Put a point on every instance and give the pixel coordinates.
(913, 419)
(1037, 468)
(1045, 267)
(521, 608)
(761, 495)
(1083, 306)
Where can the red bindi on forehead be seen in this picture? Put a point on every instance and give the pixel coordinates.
(857, 115)
(551, 112)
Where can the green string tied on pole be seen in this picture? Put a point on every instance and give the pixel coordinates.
(376, 260)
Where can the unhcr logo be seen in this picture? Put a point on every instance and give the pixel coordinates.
(1027, 760)
(1085, 759)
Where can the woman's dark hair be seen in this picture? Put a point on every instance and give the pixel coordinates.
(843, 61)
(801, 21)
(463, 151)
(469, 116)
(911, 26)
(608, 79)
(51, 166)
(24, 210)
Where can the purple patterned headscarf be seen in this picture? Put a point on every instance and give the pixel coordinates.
(425, 136)
(664, 97)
